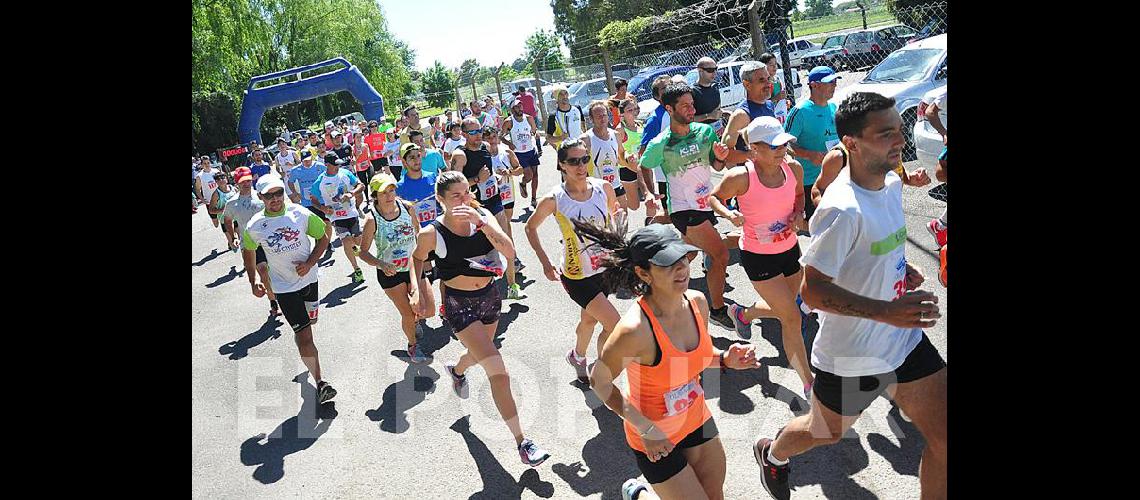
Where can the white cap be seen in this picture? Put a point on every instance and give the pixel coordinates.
(767, 129)
(268, 182)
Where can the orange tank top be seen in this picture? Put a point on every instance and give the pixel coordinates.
(670, 394)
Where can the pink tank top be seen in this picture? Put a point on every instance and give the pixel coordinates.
(766, 212)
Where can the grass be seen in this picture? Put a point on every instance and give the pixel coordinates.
(875, 17)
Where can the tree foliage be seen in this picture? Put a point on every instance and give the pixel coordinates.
(234, 40)
(578, 22)
(917, 13)
(438, 85)
(545, 47)
(818, 8)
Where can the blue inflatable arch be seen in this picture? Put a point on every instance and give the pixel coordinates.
(258, 100)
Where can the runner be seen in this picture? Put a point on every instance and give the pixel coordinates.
(454, 140)
(492, 111)
(654, 178)
(504, 166)
(375, 141)
(301, 180)
(205, 185)
(663, 345)
(314, 141)
(757, 90)
(436, 131)
(392, 223)
(257, 164)
(224, 193)
(870, 339)
(936, 103)
(333, 193)
(812, 121)
(684, 152)
(287, 158)
(565, 122)
(706, 95)
(469, 247)
(362, 160)
(418, 188)
(614, 101)
(770, 191)
(629, 133)
(519, 133)
(530, 109)
(412, 115)
(478, 113)
(588, 200)
(474, 160)
(432, 160)
(237, 214)
(281, 230)
(606, 151)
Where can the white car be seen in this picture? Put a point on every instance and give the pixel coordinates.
(927, 141)
(796, 50)
(731, 86)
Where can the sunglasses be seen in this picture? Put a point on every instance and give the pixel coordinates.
(773, 148)
(709, 70)
(581, 160)
(474, 131)
(276, 194)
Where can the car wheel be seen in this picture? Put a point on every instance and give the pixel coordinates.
(910, 152)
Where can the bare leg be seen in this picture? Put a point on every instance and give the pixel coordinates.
(308, 351)
(477, 338)
(924, 401)
(819, 427)
(706, 237)
(346, 243)
(708, 463)
(399, 296)
(504, 219)
(780, 294)
(683, 486)
(600, 310)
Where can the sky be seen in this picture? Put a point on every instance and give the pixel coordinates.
(492, 39)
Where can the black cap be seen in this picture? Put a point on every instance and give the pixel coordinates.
(331, 158)
(659, 245)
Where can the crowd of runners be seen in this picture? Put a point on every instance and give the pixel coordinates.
(435, 200)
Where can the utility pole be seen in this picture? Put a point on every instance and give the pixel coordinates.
(758, 46)
(498, 87)
(862, 10)
(538, 88)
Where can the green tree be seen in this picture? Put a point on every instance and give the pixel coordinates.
(438, 85)
(917, 13)
(818, 8)
(545, 47)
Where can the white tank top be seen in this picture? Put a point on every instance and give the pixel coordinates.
(569, 122)
(521, 135)
(604, 158)
(579, 258)
(502, 161)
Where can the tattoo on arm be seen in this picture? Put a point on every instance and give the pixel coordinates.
(845, 309)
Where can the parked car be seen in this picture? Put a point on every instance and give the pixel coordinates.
(927, 141)
(905, 75)
(588, 91)
(731, 86)
(797, 49)
(530, 83)
(640, 84)
(869, 47)
(827, 54)
(744, 51)
(936, 26)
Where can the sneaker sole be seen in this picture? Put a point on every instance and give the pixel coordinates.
(538, 463)
(757, 453)
(741, 330)
(331, 394)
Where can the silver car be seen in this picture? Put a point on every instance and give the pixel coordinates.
(906, 75)
(585, 92)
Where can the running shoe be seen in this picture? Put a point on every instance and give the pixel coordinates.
(325, 392)
(531, 454)
(273, 309)
(514, 292)
(519, 264)
(355, 249)
(416, 355)
(631, 488)
(358, 276)
(773, 477)
(742, 325)
(579, 367)
(721, 317)
(938, 230)
(458, 384)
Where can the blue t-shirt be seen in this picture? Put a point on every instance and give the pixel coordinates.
(814, 128)
(259, 169)
(433, 162)
(306, 178)
(421, 193)
(653, 125)
(755, 110)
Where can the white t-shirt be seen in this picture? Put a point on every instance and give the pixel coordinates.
(450, 144)
(522, 135)
(859, 239)
(392, 151)
(286, 240)
(329, 189)
(937, 95)
(209, 185)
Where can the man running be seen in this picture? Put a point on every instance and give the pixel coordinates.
(530, 109)
(621, 86)
(240, 210)
(654, 178)
(258, 166)
(812, 121)
(566, 121)
(432, 159)
(757, 90)
(392, 149)
(870, 339)
(474, 160)
(589, 200)
(606, 152)
(706, 94)
(375, 141)
(412, 115)
(283, 230)
(520, 133)
(205, 185)
(287, 158)
(687, 152)
(334, 193)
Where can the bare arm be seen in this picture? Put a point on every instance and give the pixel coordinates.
(735, 183)
(736, 123)
(798, 207)
(506, 136)
(544, 208)
(630, 340)
(498, 238)
(815, 157)
(912, 310)
(425, 244)
(934, 119)
(369, 234)
(831, 165)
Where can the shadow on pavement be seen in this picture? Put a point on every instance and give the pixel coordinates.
(832, 468)
(728, 386)
(505, 320)
(234, 273)
(419, 380)
(904, 457)
(339, 295)
(240, 348)
(497, 482)
(295, 434)
(606, 458)
(213, 255)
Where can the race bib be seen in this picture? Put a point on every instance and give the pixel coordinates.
(425, 210)
(341, 213)
(212, 185)
(774, 233)
(400, 259)
(492, 262)
(702, 195)
(680, 399)
(900, 278)
(488, 189)
(505, 191)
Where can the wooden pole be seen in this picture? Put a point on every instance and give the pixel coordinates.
(609, 71)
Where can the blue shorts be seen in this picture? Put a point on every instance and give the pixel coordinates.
(528, 159)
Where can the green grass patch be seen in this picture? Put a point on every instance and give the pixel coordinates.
(876, 17)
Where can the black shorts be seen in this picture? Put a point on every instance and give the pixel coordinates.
(763, 267)
(378, 163)
(849, 396)
(509, 206)
(259, 256)
(660, 471)
(584, 290)
(350, 225)
(301, 307)
(316, 211)
(627, 175)
(213, 215)
(809, 207)
(463, 307)
(620, 190)
(365, 176)
(685, 219)
(397, 171)
(528, 159)
(663, 190)
(493, 205)
(386, 282)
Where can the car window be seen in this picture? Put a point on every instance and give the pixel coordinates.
(905, 66)
(834, 41)
(736, 74)
(903, 30)
(802, 45)
(722, 80)
(597, 88)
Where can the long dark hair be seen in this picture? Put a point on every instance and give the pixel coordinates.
(619, 275)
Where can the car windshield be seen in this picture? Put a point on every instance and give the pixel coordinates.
(834, 41)
(574, 87)
(905, 66)
(691, 76)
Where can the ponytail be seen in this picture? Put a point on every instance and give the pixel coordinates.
(619, 275)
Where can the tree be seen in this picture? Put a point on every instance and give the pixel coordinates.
(818, 8)
(546, 47)
(438, 85)
(917, 13)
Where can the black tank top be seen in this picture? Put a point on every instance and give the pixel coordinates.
(476, 160)
(465, 255)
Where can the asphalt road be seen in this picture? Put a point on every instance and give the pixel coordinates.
(398, 431)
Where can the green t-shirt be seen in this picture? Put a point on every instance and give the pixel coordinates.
(686, 161)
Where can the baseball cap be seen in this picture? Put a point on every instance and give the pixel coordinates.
(269, 182)
(242, 173)
(335, 133)
(380, 182)
(659, 245)
(306, 154)
(767, 129)
(822, 74)
(332, 159)
(411, 146)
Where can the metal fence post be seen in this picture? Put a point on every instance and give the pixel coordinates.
(862, 10)
(786, 59)
(609, 71)
(458, 97)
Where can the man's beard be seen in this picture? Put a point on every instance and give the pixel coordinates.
(680, 119)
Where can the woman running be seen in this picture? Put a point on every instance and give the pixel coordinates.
(769, 190)
(504, 166)
(629, 133)
(224, 193)
(454, 140)
(392, 223)
(469, 247)
(362, 155)
(663, 345)
(584, 199)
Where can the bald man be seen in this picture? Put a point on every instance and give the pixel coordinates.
(706, 96)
